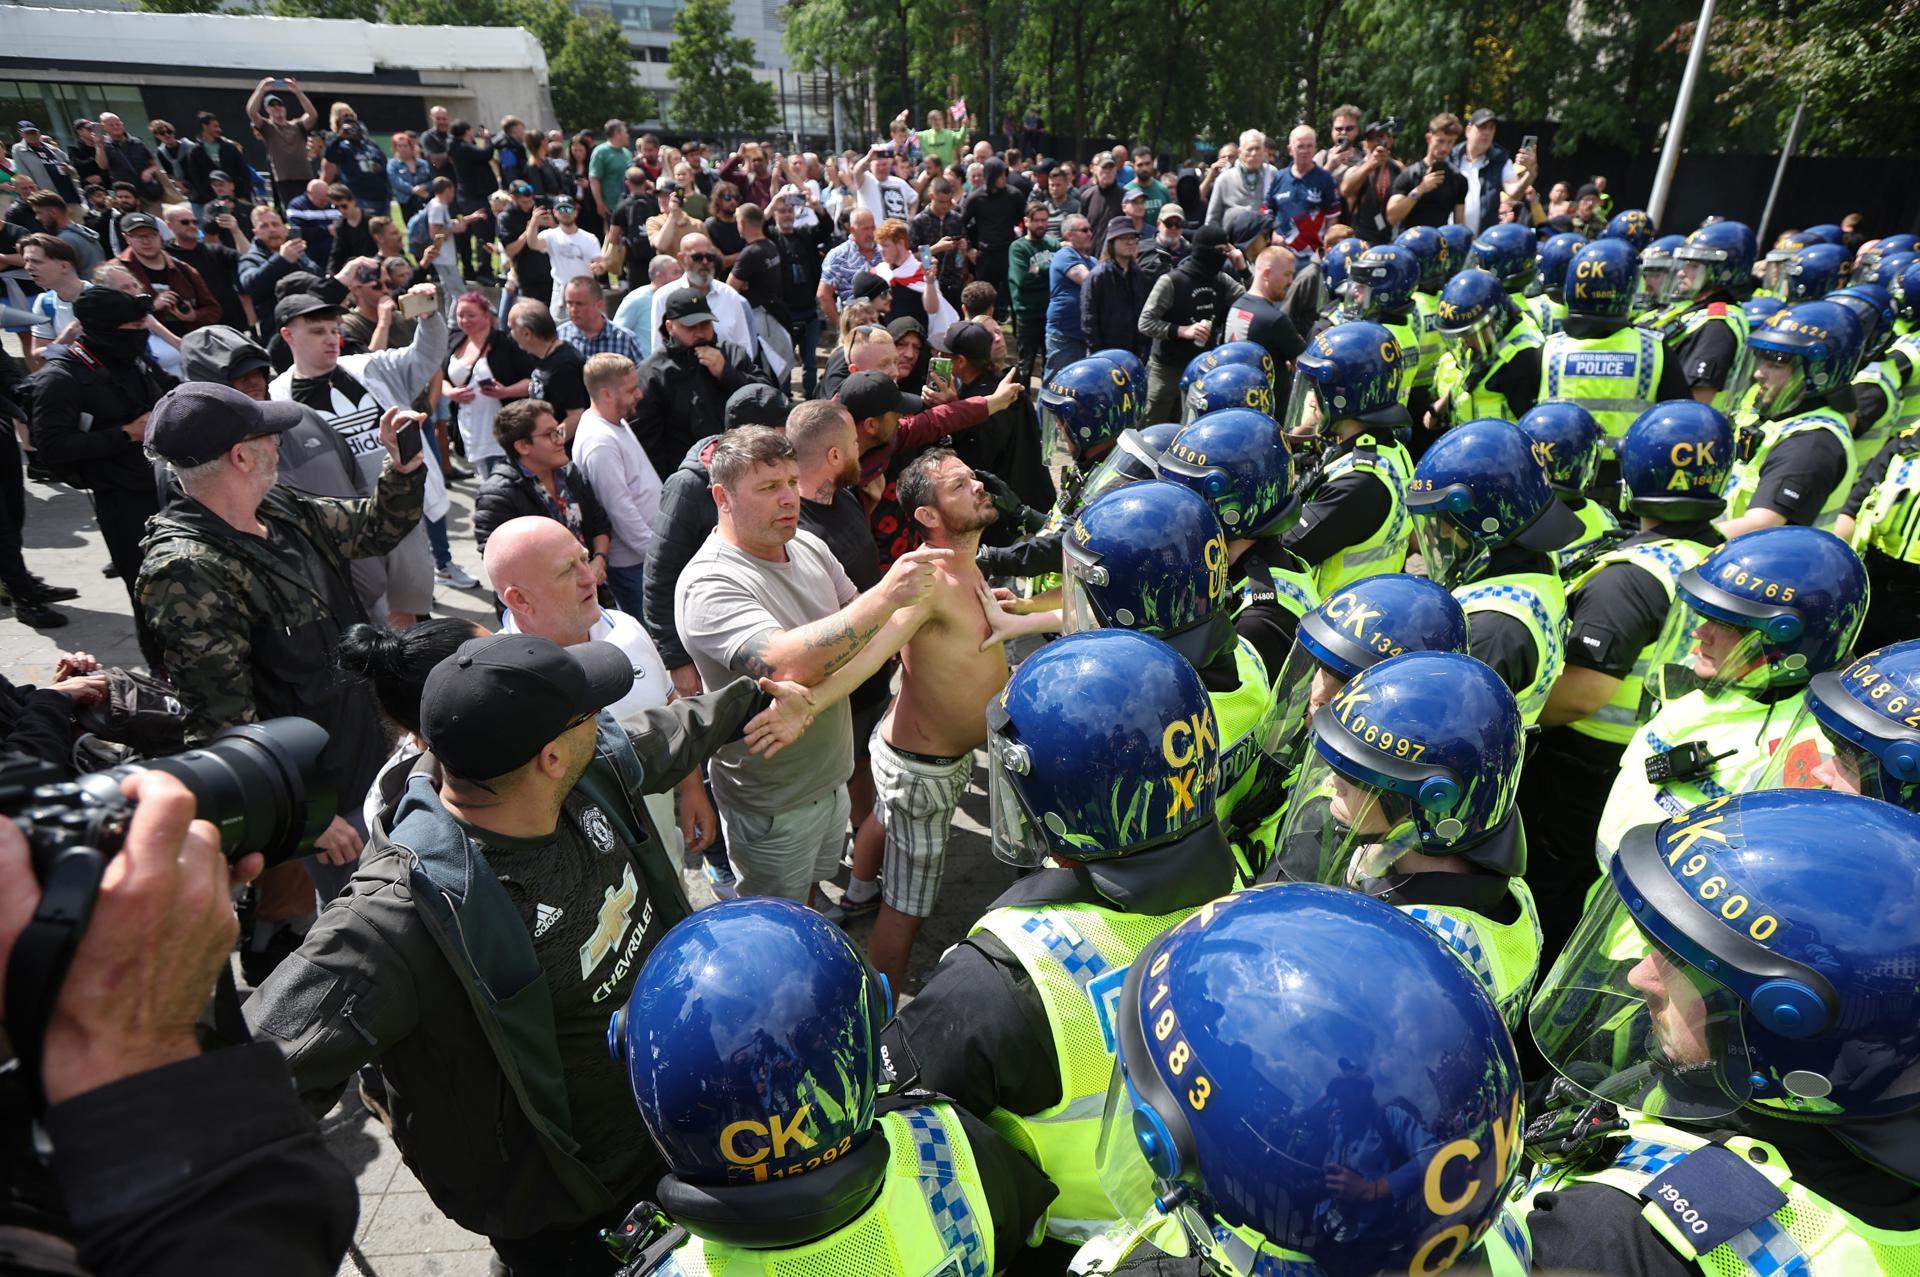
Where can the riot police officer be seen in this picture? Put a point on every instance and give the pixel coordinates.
(1507, 251)
(1459, 241)
(1250, 354)
(1135, 369)
(1354, 521)
(1102, 777)
(1380, 286)
(1306, 1084)
(1876, 387)
(1546, 295)
(1237, 462)
(1672, 465)
(1229, 385)
(1751, 623)
(1631, 225)
(1795, 444)
(1773, 267)
(1433, 829)
(1435, 259)
(1566, 442)
(1876, 251)
(1737, 1052)
(752, 1044)
(1487, 525)
(1701, 324)
(1815, 271)
(1860, 742)
(1656, 271)
(1491, 367)
(1334, 275)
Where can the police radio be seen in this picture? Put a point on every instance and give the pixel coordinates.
(1688, 760)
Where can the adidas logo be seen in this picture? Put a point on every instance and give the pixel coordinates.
(544, 916)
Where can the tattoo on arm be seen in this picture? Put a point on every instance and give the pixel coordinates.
(751, 659)
(845, 637)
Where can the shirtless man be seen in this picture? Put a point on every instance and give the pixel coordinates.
(922, 752)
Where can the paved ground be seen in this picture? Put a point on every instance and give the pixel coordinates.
(401, 1234)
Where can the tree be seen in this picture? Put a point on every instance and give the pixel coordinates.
(714, 87)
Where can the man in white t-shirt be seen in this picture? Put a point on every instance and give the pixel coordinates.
(53, 264)
(762, 597)
(616, 467)
(699, 264)
(883, 192)
(570, 251)
(544, 576)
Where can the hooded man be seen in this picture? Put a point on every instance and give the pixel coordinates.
(1184, 315)
(990, 221)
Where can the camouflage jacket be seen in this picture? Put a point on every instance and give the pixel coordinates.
(242, 635)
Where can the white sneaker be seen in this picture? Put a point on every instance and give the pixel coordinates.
(455, 577)
(720, 878)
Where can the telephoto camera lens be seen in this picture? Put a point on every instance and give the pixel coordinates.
(257, 784)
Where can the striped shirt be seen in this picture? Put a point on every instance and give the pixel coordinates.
(611, 339)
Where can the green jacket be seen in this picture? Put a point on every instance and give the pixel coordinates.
(1029, 286)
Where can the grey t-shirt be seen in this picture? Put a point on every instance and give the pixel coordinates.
(726, 597)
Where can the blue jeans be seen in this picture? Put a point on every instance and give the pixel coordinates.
(626, 584)
(1062, 350)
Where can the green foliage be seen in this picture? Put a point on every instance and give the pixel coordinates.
(180, 6)
(1852, 61)
(714, 87)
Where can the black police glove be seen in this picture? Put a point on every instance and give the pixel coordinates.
(1009, 504)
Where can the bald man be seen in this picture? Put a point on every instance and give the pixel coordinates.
(547, 582)
(700, 272)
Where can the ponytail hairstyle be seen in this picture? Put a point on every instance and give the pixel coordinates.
(397, 662)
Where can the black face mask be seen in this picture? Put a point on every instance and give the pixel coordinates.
(115, 345)
(1209, 260)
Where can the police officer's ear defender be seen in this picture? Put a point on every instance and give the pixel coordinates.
(1844, 714)
(1160, 1128)
(1433, 790)
(1787, 998)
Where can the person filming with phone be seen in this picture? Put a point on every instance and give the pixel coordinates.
(247, 586)
(352, 392)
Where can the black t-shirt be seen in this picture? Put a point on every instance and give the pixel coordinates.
(592, 925)
(929, 228)
(631, 215)
(1498, 640)
(1799, 475)
(218, 264)
(560, 379)
(801, 252)
(1705, 357)
(1261, 620)
(763, 275)
(1435, 208)
(1518, 380)
(1344, 512)
(726, 236)
(1619, 611)
(532, 267)
(1254, 318)
(844, 526)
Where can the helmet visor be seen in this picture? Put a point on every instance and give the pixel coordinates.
(1773, 271)
(1301, 417)
(1478, 338)
(1341, 831)
(1814, 756)
(1779, 382)
(1627, 1022)
(1684, 281)
(1054, 437)
(1130, 459)
(1445, 550)
(1699, 652)
(1017, 838)
(1304, 686)
(1077, 612)
(1125, 1177)
(1360, 294)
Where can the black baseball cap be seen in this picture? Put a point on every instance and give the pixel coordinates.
(971, 341)
(521, 188)
(197, 421)
(219, 175)
(221, 354)
(1244, 225)
(498, 701)
(868, 285)
(131, 222)
(756, 404)
(687, 307)
(1485, 115)
(869, 394)
(291, 307)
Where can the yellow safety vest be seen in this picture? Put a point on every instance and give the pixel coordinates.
(1683, 321)
(1386, 549)
(1240, 713)
(1744, 480)
(1549, 316)
(1077, 957)
(1614, 377)
(1808, 1235)
(1909, 413)
(1426, 315)
(1870, 436)
(1664, 561)
(930, 1216)
(1890, 516)
(1538, 601)
(1596, 522)
(1407, 333)
(1462, 384)
(1504, 955)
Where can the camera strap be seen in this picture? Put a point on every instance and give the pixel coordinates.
(44, 950)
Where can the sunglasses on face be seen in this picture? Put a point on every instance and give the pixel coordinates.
(710, 258)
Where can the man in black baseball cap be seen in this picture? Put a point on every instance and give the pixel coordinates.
(314, 459)
(527, 888)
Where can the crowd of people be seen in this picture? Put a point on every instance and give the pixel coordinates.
(1443, 660)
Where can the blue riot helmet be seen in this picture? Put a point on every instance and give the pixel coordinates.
(1872, 305)
(1102, 746)
(1824, 233)
(1887, 271)
(1602, 279)
(1474, 312)
(1135, 456)
(1657, 264)
(1380, 282)
(1334, 268)
(1420, 753)
(1089, 402)
(1129, 363)
(1506, 251)
(1459, 241)
(1759, 310)
(1550, 264)
(1566, 443)
(1873, 254)
(1632, 225)
(1773, 267)
(1286, 1033)
(1674, 461)
(1351, 372)
(1854, 737)
(1251, 353)
(1230, 386)
(1906, 291)
(1151, 557)
(1237, 461)
(1431, 252)
(1755, 953)
(1363, 624)
(1816, 271)
(1479, 487)
(751, 1041)
(1766, 611)
(1714, 259)
(1801, 355)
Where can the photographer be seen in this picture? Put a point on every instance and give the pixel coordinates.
(167, 1157)
(486, 939)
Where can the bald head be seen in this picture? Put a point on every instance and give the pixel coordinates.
(872, 352)
(543, 575)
